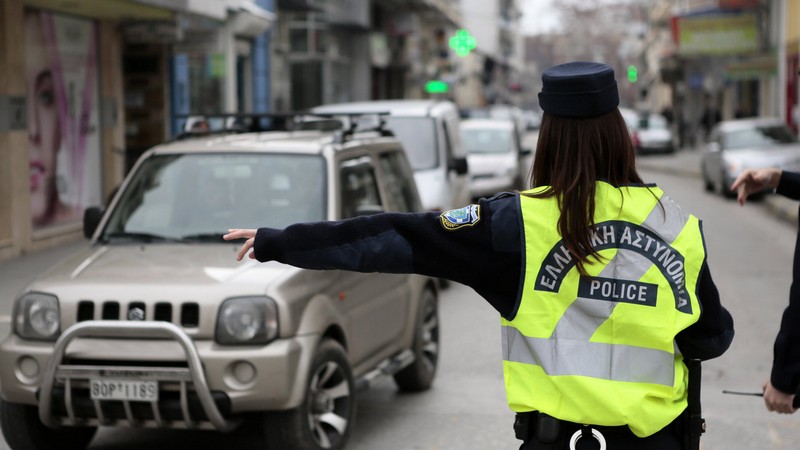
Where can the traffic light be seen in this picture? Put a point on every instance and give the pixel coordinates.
(633, 74)
(436, 87)
(462, 42)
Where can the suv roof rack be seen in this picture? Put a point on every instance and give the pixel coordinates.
(354, 122)
(207, 124)
(345, 125)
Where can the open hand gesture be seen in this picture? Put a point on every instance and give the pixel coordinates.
(755, 180)
(242, 233)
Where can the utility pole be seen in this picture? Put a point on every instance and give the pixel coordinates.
(782, 81)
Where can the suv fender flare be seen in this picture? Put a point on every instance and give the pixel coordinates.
(318, 315)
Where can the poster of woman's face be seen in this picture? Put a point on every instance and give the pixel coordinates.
(63, 136)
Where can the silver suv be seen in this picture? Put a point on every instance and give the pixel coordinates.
(156, 325)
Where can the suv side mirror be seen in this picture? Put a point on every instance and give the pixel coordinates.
(525, 151)
(91, 219)
(459, 165)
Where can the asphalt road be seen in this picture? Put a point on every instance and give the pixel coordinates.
(750, 255)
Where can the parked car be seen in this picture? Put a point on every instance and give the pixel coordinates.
(429, 131)
(736, 145)
(156, 325)
(653, 135)
(631, 117)
(533, 119)
(494, 153)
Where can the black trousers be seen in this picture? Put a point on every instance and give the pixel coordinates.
(617, 438)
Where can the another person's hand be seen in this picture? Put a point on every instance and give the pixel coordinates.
(777, 401)
(755, 180)
(242, 233)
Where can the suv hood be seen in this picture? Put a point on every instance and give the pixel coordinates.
(134, 269)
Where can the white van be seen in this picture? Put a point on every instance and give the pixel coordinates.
(430, 133)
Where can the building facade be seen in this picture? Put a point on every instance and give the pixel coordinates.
(493, 72)
(86, 86)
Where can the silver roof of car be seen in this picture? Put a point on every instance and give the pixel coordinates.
(310, 142)
(728, 125)
(497, 124)
(414, 108)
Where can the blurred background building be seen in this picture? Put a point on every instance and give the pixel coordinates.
(125, 74)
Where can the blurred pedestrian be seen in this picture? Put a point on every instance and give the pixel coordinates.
(710, 117)
(599, 278)
(784, 380)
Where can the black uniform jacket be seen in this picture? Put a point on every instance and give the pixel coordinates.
(485, 256)
(786, 363)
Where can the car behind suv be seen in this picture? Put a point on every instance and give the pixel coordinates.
(156, 325)
(429, 132)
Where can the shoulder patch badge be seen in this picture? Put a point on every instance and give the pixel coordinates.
(461, 217)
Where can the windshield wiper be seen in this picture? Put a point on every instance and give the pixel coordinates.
(215, 236)
(137, 237)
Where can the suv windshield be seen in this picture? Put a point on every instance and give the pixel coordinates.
(759, 136)
(418, 136)
(197, 197)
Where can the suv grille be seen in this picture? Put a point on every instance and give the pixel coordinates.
(138, 310)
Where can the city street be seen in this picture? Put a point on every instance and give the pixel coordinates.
(750, 254)
(168, 131)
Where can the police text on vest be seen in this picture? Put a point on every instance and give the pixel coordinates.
(612, 290)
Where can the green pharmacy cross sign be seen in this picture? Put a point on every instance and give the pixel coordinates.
(462, 42)
(633, 74)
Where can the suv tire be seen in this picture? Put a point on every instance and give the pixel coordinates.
(419, 375)
(324, 419)
(23, 430)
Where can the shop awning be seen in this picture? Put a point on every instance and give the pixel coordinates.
(250, 20)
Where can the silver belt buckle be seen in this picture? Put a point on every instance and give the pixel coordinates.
(595, 434)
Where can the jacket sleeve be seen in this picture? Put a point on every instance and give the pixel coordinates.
(710, 336)
(789, 185)
(786, 352)
(400, 243)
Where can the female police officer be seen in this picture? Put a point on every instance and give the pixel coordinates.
(600, 280)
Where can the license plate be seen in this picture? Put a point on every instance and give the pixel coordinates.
(131, 390)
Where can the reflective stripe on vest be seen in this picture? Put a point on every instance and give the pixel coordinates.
(565, 324)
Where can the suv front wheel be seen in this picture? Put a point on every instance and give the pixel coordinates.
(419, 375)
(324, 419)
(23, 430)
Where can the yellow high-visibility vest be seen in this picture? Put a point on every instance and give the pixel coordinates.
(601, 350)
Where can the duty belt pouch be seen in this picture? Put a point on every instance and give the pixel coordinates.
(547, 428)
(538, 427)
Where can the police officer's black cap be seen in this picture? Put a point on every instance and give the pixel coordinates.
(579, 89)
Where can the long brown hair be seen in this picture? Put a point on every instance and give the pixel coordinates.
(571, 155)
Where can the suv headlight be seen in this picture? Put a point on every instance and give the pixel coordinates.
(247, 320)
(36, 316)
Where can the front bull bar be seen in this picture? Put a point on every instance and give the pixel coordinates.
(124, 329)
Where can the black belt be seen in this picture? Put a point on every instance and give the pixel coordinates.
(552, 433)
